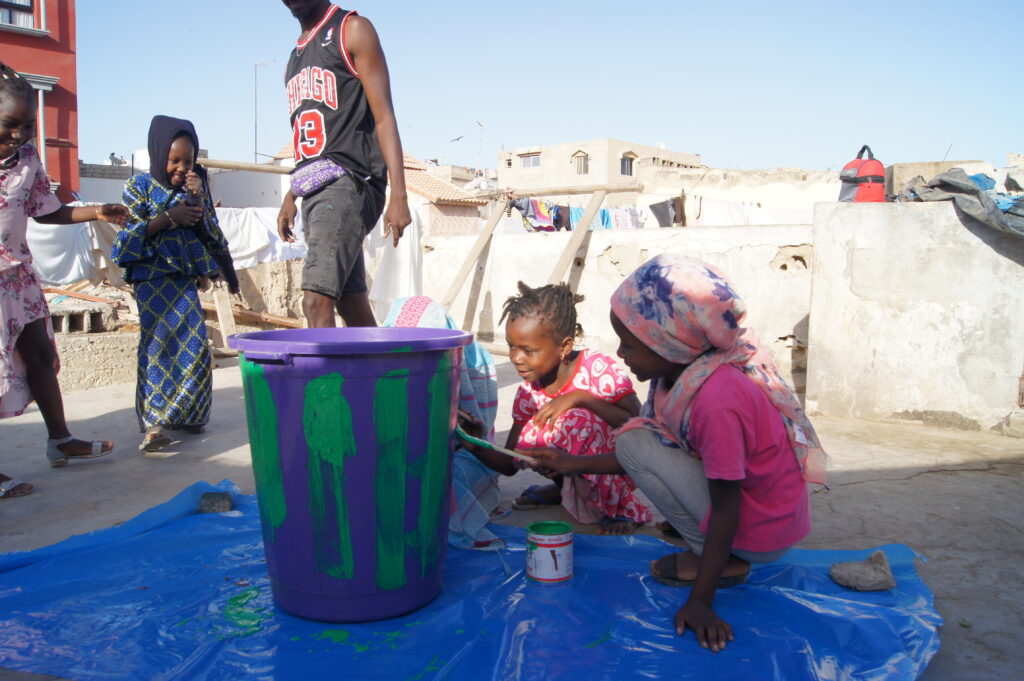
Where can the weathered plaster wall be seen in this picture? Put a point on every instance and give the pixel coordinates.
(914, 314)
(782, 187)
(89, 360)
(768, 266)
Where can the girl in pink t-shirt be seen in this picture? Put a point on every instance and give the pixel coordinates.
(722, 447)
(571, 400)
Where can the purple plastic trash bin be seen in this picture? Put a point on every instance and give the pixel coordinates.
(350, 433)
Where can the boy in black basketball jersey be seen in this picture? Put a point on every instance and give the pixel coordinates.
(346, 147)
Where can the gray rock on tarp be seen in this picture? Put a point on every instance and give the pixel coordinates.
(873, 574)
(215, 502)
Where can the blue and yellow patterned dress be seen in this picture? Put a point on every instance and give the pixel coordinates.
(174, 386)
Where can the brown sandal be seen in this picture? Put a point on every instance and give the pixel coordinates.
(154, 440)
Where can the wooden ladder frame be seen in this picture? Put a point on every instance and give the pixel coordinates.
(576, 240)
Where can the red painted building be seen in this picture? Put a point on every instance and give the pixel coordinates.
(37, 38)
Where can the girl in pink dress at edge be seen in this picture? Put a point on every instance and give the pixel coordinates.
(28, 357)
(571, 400)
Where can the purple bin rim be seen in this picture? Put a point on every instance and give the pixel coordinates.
(348, 341)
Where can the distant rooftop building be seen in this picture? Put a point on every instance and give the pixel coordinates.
(595, 162)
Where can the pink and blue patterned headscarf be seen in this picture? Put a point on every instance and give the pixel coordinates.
(687, 312)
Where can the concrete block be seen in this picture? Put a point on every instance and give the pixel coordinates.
(898, 174)
(79, 316)
(89, 360)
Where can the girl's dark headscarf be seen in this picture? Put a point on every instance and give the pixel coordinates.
(163, 130)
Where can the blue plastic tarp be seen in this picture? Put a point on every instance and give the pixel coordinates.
(174, 594)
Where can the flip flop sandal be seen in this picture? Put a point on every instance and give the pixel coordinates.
(607, 521)
(538, 501)
(664, 570)
(665, 527)
(58, 458)
(8, 487)
(154, 441)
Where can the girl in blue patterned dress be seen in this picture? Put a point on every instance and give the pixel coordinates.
(172, 243)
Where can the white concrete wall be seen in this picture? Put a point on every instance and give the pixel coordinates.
(101, 190)
(766, 264)
(242, 189)
(235, 189)
(914, 314)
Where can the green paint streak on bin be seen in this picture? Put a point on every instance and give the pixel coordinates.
(264, 446)
(432, 485)
(327, 422)
(391, 420)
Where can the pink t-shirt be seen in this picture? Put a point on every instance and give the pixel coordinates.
(739, 435)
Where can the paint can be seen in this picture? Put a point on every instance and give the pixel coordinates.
(350, 432)
(549, 552)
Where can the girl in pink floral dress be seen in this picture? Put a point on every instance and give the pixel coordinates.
(28, 357)
(571, 400)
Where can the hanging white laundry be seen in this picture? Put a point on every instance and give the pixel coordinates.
(61, 254)
(246, 230)
(400, 270)
(252, 236)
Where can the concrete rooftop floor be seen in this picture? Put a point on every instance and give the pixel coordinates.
(955, 497)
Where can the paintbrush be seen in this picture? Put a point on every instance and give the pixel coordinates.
(490, 445)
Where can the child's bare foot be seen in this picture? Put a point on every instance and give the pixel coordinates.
(535, 497)
(617, 525)
(680, 569)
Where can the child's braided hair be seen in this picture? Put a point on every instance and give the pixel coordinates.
(13, 84)
(554, 305)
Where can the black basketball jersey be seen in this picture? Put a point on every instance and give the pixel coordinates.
(326, 102)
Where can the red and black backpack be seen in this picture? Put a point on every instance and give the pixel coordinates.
(863, 179)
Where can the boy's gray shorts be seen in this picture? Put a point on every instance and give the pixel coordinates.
(335, 221)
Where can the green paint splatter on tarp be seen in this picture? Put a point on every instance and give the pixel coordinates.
(327, 423)
(391, 421)
(606, 636)
(342, 637)
(247, 619)
(436, 664)
(261, 413)
(432, 486)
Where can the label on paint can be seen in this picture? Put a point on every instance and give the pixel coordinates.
(549, 552)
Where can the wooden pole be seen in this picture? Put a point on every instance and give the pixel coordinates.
(583, 189)
(244, 315)
(474, 253)
(579, 232)
(225, 315)
(238, 165)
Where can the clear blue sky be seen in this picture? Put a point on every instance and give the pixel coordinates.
(745, 84)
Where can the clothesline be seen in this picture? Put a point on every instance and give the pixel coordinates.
(545, 216)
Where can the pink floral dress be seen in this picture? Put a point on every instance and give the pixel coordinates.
(24, 193)
(581, 432)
